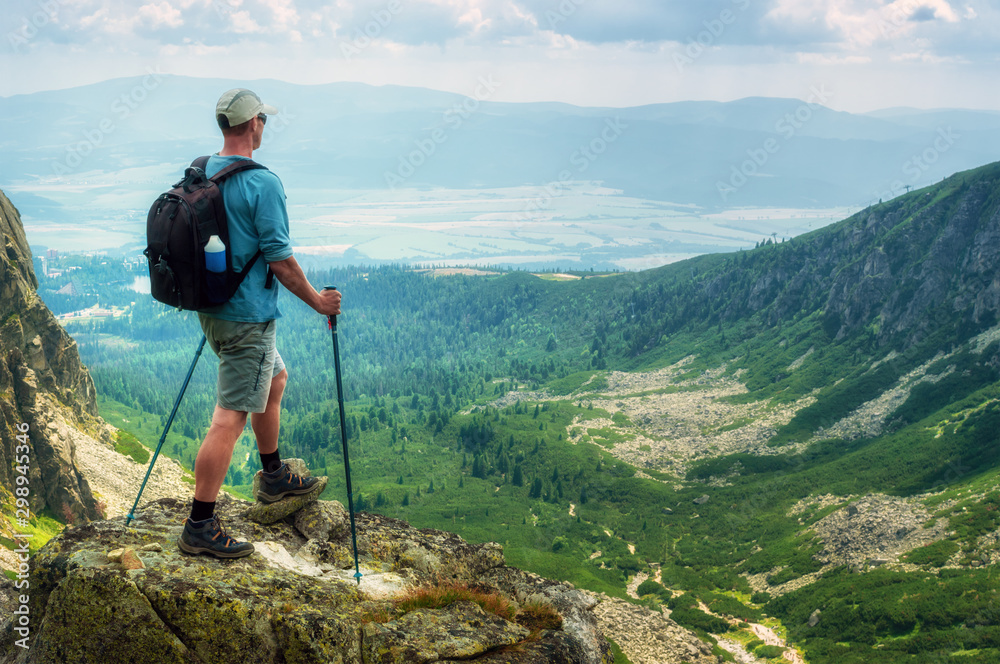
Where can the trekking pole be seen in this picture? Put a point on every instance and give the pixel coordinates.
(343, 438)
(170, 420)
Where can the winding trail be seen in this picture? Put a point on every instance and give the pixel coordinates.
(767, 635)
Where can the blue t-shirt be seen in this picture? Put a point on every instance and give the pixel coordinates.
(258, 219)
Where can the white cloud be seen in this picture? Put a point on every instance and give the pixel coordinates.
(284, 13)
(926, 58)
(581, 51)
(858, 24)
(192, 49)
(243, 24)
(160, 15)
(827, 59)
(104, 21)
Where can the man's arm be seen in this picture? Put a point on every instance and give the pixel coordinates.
(291, 276)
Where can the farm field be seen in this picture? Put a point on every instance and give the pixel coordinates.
(581, 225)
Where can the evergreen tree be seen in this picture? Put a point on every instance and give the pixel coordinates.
(478, 467)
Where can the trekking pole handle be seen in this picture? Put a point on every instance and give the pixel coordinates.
(331, 319)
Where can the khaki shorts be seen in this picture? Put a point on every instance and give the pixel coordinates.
(248, 360)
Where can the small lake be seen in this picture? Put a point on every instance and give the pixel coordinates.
(140, 285)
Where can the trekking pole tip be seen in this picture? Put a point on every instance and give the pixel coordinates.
(357, 577)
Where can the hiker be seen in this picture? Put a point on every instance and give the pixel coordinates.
(241, 331)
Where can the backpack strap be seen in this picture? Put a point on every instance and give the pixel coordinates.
(232, 169)
(246, 269)
(236, 167)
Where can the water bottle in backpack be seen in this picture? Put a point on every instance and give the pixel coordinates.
(215, 269)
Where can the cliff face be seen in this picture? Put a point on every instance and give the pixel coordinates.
(922, 262)
(42, 384)
(897, 273)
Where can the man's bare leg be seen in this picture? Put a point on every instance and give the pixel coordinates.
(203, 532)
(216, 452)
(275, 485)
(266, 425)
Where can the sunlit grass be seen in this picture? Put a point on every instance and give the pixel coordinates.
(441, 595)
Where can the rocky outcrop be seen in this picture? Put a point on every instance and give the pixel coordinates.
(669, 429)
(267, 513)
(650, 637)
(867, 533)
(43, 385)
(875, 530)
(105, 593)
(115, 479)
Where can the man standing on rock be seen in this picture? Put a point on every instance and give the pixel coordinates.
(241, 332)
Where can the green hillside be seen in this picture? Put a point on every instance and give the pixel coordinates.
(721, 419)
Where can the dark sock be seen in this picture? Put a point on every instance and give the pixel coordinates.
(201, 510)
(270, 462)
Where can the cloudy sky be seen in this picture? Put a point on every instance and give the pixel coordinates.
(866, 55)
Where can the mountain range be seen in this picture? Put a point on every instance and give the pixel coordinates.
(714, 155)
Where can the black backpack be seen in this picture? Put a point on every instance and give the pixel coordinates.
(179, 225)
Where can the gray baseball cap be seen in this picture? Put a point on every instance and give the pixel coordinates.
(239, 105)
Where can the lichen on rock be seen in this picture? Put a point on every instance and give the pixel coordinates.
(268, 513)
(461, 631)
(298, 604)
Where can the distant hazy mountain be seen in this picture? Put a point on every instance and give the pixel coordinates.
(750, 152)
